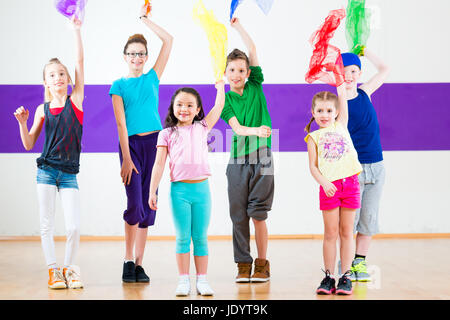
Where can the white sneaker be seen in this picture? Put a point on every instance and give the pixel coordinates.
(184, 286)
(203, 287)
(72, 277)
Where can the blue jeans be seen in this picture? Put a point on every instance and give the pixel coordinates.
(58, 178)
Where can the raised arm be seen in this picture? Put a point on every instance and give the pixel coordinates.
(213, 116)
(235, 23)
(380, 77)
(343, 105)
(127, 163)
(78, 90)
(29, 137)
(329, 188)
(157, 172)
(166, 39)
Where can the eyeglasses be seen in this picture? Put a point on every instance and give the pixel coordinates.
(135, 54)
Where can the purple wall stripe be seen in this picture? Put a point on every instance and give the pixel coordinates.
(412, 116)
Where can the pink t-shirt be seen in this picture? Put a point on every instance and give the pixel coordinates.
(187, 148)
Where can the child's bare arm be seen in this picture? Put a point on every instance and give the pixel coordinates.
(128, 166)
(213, 116)
(380, 77)
(166, 39)
(78, 90)
(157, 172)
(29, 137)
(329, 188)
(235, 23)
(343, 105)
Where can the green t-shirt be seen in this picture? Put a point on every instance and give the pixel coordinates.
(250, 110)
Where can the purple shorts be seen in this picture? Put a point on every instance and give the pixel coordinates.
(346, 196)
(143, 153)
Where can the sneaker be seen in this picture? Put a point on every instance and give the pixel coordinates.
(56, 279)
(359, 268)
(203, 287)
(129, 273)
(72, 277)
(352, 275)
(140, 274)
(184, 286)
(244, 272)
(327, 286)
(344, 286)
(262, 271)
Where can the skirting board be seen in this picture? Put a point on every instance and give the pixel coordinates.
(228, 237)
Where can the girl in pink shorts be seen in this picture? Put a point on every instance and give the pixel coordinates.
(334, 164)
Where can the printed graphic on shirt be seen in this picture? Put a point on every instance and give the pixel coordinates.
(334, 146)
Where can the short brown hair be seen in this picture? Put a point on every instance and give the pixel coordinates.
(135, 38)
(237, 54)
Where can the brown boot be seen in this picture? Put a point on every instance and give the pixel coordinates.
(244, 272)
(262, 271)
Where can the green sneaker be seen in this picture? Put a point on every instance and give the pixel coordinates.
(359, 269)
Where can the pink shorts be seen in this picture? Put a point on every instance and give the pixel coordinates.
(346, 196)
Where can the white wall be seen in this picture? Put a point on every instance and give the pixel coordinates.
(404, 33)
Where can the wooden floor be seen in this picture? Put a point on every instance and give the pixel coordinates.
(402, 269)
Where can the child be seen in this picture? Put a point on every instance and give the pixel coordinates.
(333, 163)
(135, 102)
(250, 170)
(185, 141)
(58, 164)
(365, 132)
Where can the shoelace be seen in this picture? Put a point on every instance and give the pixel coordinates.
(345, 277)
(57, 275)
(259, 269)
(244, 268)
(72, 275)
(360, 267)
(327, 277)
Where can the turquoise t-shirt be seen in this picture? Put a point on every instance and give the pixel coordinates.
(140, 100)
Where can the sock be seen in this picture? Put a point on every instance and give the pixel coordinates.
(360, 256)
(201, 277)
(125, 261)
(184, 277)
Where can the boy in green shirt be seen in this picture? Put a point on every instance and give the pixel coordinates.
(250, 170)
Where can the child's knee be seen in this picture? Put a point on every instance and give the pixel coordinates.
(183, 244)
(200, 246)
(346, 232)
(331, 234)
(73, 232)
(259, 222)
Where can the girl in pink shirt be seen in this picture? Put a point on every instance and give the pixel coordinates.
(184, 139)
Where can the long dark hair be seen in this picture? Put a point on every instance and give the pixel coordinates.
(171, 121)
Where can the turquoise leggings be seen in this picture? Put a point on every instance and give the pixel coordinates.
(191, 209)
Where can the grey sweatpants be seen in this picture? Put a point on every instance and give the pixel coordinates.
(371, 181)
(250, 195)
